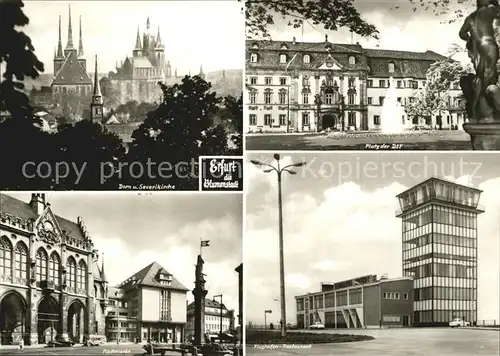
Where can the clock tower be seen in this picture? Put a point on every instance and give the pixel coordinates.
(96, 106)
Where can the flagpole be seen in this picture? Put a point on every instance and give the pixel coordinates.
(201, 247)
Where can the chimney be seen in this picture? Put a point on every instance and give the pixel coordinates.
(294, 39)
(37, 202)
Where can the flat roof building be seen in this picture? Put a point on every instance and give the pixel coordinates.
(439, 236)
(363, 302)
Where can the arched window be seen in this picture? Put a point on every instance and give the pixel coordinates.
(5, 257)
(254, 58)
(391, 67)
(282, 58)
(82, 272)
(71, 271)
(21, 260)
(306, 59)
(352, 60)
(54, 267)
(284, 46)
(42, 261)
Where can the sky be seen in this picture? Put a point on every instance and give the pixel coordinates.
(400, 28)
(194, 32)
(134, 230)
(340, 223)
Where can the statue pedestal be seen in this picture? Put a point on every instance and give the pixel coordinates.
(484, 137)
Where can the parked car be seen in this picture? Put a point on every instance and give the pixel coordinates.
(95, 341)
(60, 343)
(455, 323)
(316, 326)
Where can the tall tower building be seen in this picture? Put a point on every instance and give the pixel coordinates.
(69, 46)
(96, 106)
(439, 235)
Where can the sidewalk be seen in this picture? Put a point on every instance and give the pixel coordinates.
(493, 328)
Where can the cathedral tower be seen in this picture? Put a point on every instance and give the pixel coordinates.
(81, 58)
(137, 52)
(96, 106)
(69, 47)
(59, 56)
(159, 53)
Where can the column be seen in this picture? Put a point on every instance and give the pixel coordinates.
(62, 325)
(32, 318)
(81, 324)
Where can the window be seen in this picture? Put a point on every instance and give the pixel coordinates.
(268, 80)
(41, 265)
(282, 58)
(305, 81)
(282, 97)
(391, 67)
(54, 266)
(284, 46)
(306, 59)
(369, 83)
(71, 272)
(350, 98)
(21, 260)
(351, 82)
(164, 305)
(415, 84)
(351, 119)
(253, 80)
(399, 84)
(267, 120)
(381, 83)
(352, 60)
(283, 81)
(370, 100)
(81, 278)
(305, 98)
(253, 97)
(253, 119)
(282, 120)
(255, 46)
(381, 100)
(267, 97)
(406, 296)
(328, 98)
(376, 120)
(305, 119)
(5, 257)
(254, 58)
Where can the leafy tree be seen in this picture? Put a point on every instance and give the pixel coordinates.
(176, 133)
(232, 117)
(74, 105)
(453, 10)
(332, 14)
(89, 145)
(17, 51)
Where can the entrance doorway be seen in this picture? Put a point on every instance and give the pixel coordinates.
(48, 318)
(329, 121)
(12, 318)
(406, 320)
(76, 317)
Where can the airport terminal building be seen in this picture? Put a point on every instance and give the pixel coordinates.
(363, 302)
(439, 236)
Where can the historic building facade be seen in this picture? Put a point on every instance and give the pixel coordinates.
(300, 87)
(70, 67)
(213, 318)
(148, 306)
(52, 284)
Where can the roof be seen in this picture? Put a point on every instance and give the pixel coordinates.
(18, 208)
(141, 62)
(147, 277)
(436, 179)
(72, 72)
(209, 303)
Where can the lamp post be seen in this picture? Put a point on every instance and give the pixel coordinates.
(362, 301)
(219, 296)
(279, 170)
(265, 317)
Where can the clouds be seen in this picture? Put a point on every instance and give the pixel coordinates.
(336, 230)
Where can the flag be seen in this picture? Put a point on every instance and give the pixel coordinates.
(291, 60)
(205, 243)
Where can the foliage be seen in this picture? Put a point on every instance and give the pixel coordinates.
(111, 94)
(17, 51)
(232, 117)
(454, 10)
(332, 14)
(74, 105)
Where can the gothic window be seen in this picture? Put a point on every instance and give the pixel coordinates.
(253, 97)
(54, 266)
(352, 60)
(282, 58)
(41, 265)
(391, 67)
(5, 257)
(81, 273)
(71, 271)
(306, 59)
(254, 58)
(21, 260)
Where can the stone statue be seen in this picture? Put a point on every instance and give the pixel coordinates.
(481, 31)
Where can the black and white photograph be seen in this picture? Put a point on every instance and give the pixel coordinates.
(118, 95)
(372, 75)
(372, 254)
(120, 273)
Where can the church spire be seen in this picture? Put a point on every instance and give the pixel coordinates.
(97, 86)
(70, 31)
(138, 45)
(80, 46)
(103, 275)
(158, 38)
(96, 105)
(59, 43)
(148, 24)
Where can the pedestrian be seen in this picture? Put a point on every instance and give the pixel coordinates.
(21, 344)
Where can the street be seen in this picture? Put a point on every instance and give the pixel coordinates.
(109, 349)
(409, 341)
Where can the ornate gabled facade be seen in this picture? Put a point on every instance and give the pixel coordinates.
(299, 87)
(70, 66)
(148, 306)
(51, 284)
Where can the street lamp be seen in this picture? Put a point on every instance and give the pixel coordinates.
(362, 301)
(279, 170)
(219, 296)
(265, 317)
